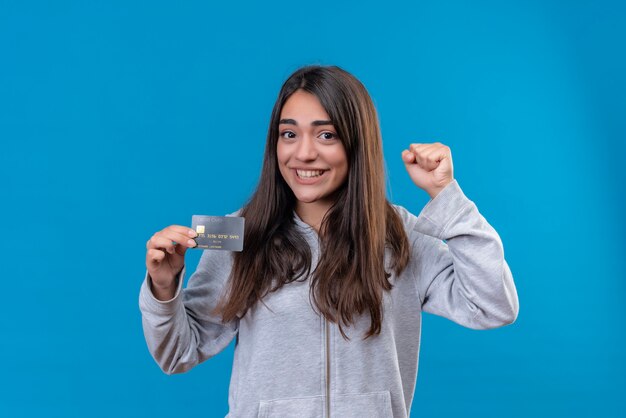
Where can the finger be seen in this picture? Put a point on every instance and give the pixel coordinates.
(427, 155)
(418, 148)
(182, 249)
(154, 258)
(415, 148)
(439, 155)
(170, 240)
(438, 151)
(418, 151)
(177, 237)
(161, 243)
(434, 155)
(183, 230)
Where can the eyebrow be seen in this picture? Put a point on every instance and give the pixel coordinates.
(314, 123)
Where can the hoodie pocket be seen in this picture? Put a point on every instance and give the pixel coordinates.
(357, 405)
(305, 407)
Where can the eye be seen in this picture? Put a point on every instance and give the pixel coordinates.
(329, 136)
(287, 135)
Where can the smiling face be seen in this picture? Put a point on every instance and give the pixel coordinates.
(311, 157)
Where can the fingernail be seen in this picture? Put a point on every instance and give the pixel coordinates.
(192, 243)
(192, 233)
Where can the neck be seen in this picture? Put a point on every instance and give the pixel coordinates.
(313, 213)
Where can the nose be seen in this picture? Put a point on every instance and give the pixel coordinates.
(306, 150)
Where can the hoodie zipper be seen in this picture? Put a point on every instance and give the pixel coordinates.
(327, 358)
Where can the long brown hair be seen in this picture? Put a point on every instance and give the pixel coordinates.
(350, 276)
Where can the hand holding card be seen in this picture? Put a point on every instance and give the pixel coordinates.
(165, 257)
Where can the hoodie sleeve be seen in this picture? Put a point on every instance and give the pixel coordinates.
(466, 278)
(181, 332)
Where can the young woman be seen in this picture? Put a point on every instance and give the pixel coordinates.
(325, 299)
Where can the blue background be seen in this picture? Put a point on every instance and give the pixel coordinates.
(120, 118)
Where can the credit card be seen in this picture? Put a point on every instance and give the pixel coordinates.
(218, 232)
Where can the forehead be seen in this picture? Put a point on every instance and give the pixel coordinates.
(303, 106)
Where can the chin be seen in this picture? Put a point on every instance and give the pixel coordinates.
(306, 199)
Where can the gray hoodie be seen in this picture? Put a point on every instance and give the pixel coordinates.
(290, 362)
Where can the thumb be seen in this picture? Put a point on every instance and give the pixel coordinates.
(408, 157)
(418, 175)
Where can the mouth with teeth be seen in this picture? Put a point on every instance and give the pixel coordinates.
(308, 174)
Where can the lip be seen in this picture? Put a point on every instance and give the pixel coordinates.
(311, 180)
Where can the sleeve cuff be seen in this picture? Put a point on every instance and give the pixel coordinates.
(443, 209)
(149, 302)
